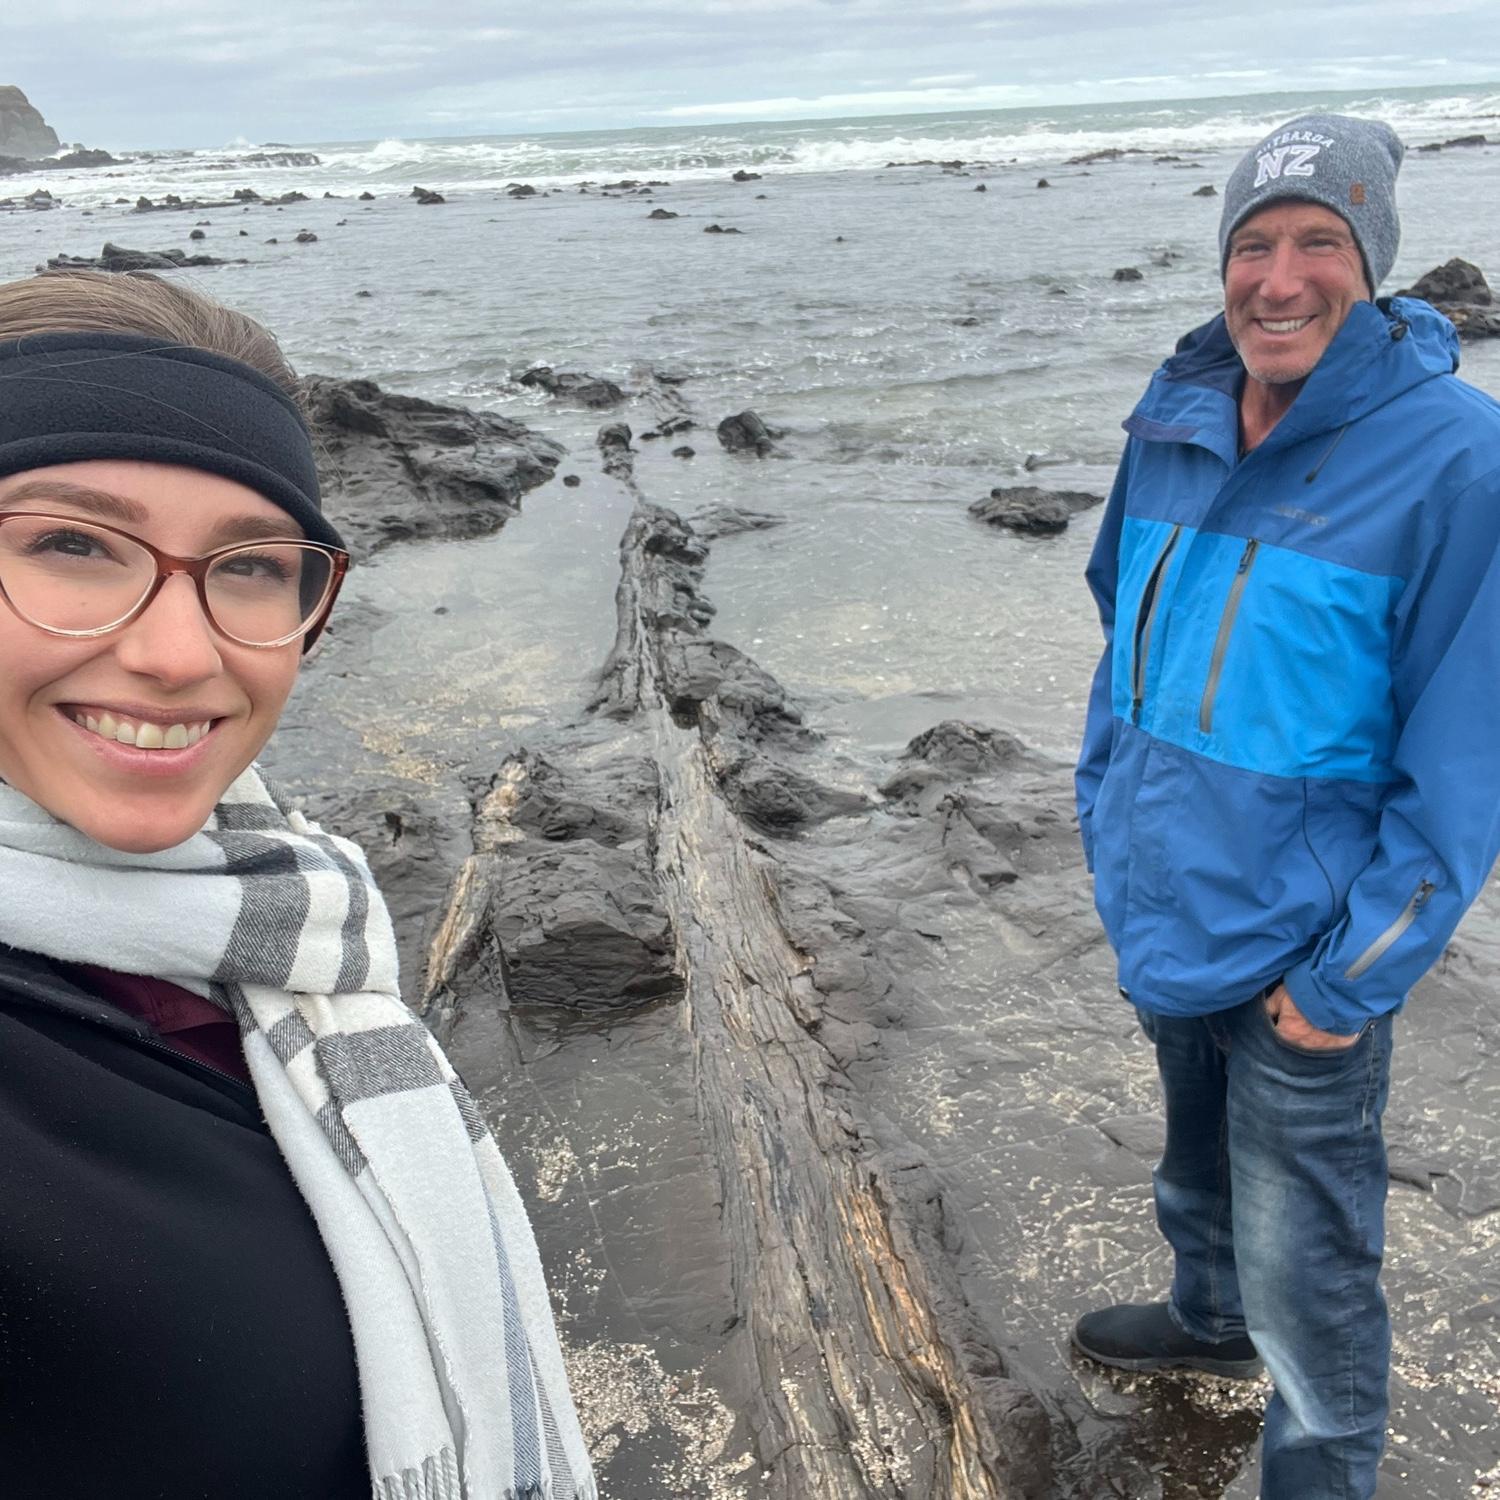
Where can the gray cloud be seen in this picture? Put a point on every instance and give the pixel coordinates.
(145, 72)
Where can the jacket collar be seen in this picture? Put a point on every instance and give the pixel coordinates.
(1383, 350)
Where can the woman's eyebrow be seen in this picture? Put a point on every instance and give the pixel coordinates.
(253, 528)
(111, 507)
(98, 502)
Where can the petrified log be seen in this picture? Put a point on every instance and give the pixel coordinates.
(874, 1377)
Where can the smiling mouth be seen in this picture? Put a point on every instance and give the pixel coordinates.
(143, 734)
(1284, 325)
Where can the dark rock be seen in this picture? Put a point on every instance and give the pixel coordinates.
(242, 196)
(520, 190)
(23, 131)
(1460, 292)
(362, 292)
(1127, 273)
(367, 197)
(118, 258)
(282, 159)
(589, 390)
(661, 213)
(306, 237)
(1033, 511)
(746, 432)
(744, 176)
(966, 749)
(715, 521)
(969, 322)
(1042, 182)
(981, 188)
(777, 799)
(1107, 153)
(197, 234)
(572, 481)
(426, 197)
(721, 229)
(1455, 280)
(683, 452)
(398, 468)
(1458, 140)
(1208, 190)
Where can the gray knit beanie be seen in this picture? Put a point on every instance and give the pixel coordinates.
(1345, 164)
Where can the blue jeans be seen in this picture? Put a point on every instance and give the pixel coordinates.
(1272, 1196)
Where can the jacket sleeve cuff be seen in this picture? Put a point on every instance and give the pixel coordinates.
(1326, 1011)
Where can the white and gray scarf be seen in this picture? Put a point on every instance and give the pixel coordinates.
(461, 1378)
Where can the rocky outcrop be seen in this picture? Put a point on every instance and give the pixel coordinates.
(1459, 291)
(1458, 140)
(574, 385)
(398, 468)
(23, 131)
(746, 433)
(1033, 511)
(117, 258)
(242, 196)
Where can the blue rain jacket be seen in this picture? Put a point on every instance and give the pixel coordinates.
(1291, 766)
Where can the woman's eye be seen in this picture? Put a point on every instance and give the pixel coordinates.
(255, 565)
(68, 544)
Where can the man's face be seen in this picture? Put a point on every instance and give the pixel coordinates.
(1293, 273)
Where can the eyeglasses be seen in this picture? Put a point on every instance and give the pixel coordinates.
(75, 578)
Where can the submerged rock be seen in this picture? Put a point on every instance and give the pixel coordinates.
(1458, 140)
(1127, 273)
(1034, 511)
(575, 385)
(746, 433)
(117, 258)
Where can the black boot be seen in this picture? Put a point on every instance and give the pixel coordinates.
(1136, 1336)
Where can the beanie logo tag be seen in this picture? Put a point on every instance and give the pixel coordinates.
(1357, 193)
(1284, 161)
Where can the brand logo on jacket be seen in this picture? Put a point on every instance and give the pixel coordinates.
(1293, 514)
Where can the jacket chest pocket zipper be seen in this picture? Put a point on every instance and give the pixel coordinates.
(1226, 629)
(1144, 619)
(1387, 938)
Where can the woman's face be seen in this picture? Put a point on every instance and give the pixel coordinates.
(168, 667)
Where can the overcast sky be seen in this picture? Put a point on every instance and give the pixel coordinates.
(204, 72)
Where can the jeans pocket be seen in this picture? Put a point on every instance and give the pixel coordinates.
(1325, 1056)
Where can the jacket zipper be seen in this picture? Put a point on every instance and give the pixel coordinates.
(1226, 628)
(1381, 944)
(1144, 619)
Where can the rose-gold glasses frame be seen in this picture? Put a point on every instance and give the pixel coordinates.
(197, 569)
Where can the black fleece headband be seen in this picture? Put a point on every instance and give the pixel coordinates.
(69, 397)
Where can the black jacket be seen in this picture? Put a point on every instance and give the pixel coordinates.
(170, 1325)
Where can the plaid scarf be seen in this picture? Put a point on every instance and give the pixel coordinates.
(461, 1378)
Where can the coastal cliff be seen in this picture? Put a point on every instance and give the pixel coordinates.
(23, 131)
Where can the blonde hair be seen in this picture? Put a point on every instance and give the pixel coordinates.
(139, 302)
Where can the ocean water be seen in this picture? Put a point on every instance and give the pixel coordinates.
(918, 342)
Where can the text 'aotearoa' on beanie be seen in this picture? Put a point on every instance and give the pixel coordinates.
(1344, 164)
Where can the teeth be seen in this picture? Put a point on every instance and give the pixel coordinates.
(145, 736)
(1284, 325)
